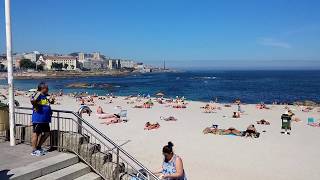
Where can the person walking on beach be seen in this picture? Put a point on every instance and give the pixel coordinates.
(41, 117)
(172, 167)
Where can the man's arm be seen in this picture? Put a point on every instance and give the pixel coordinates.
(34, 99)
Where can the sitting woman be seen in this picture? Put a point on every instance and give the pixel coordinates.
(251, 131)
(172, 166)
(171, 118)
(149, 126)
(82, 102)
(263, 122)
(138, 106)
(236, 115)
(100, 110)
(112, 119)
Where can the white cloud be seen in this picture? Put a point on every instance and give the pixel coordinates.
(274, 43)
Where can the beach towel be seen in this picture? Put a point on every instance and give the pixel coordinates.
(311, 120)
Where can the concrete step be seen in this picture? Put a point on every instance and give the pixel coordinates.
(43, 167)
(89, 176)
(68, 173)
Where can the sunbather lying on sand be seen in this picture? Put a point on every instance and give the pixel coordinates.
(263, 122)
(112, 120)
(315, 124)
(262, 106)
(107, 116)
(143, 106)
(171, 118)
(101, 98)
(179, 106)
(307, 109)
(215, 130)
(232, 131)
(149, 126)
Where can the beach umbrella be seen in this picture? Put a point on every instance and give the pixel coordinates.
(159, 94)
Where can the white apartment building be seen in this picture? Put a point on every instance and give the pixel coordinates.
(126, 63)
(33, 56)
(49, 60)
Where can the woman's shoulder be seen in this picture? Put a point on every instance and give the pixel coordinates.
(178, 158)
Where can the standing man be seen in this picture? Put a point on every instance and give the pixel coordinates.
(41, 117)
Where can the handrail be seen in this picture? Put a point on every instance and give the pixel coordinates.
(102, 135)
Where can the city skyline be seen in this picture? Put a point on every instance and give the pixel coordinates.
(252, 34)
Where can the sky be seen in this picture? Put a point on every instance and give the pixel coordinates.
(186, 33)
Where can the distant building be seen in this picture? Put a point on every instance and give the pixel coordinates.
(126, 63)
(114, 64)
(139, 66)
(33, 56)
(96, 56)
(98, 64)
(86, 64)
(89, 64)
(70, 60)
(81, 56)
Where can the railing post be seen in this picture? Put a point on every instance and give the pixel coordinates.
(117, 167)
(58, 130)
(80, 124)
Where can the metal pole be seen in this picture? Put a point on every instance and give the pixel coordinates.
(10, 73)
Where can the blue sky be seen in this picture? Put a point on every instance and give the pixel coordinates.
(197, 33)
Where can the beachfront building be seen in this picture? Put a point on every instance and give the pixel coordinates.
(86, 64)
(67, 62)
(96, 64)
(89, 64)
(114, 64)
(127, 64)
(33, 56)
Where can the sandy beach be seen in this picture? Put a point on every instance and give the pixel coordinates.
(206, 156)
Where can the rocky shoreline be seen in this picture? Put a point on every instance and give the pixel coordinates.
(64, 74)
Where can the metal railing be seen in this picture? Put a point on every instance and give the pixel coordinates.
(70, 132)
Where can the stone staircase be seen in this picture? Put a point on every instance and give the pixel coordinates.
(64, 166)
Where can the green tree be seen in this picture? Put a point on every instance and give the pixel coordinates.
(40, 67)
(27, 64)
(65, 66)
(72, 66)
(57, 66)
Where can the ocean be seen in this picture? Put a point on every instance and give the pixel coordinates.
(225, 86)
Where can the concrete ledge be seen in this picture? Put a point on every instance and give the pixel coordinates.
(43, 167)
(89, 176)
(68, 173)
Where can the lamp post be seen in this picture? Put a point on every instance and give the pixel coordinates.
(10, 73)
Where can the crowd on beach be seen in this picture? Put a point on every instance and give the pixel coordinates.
(172, 166)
